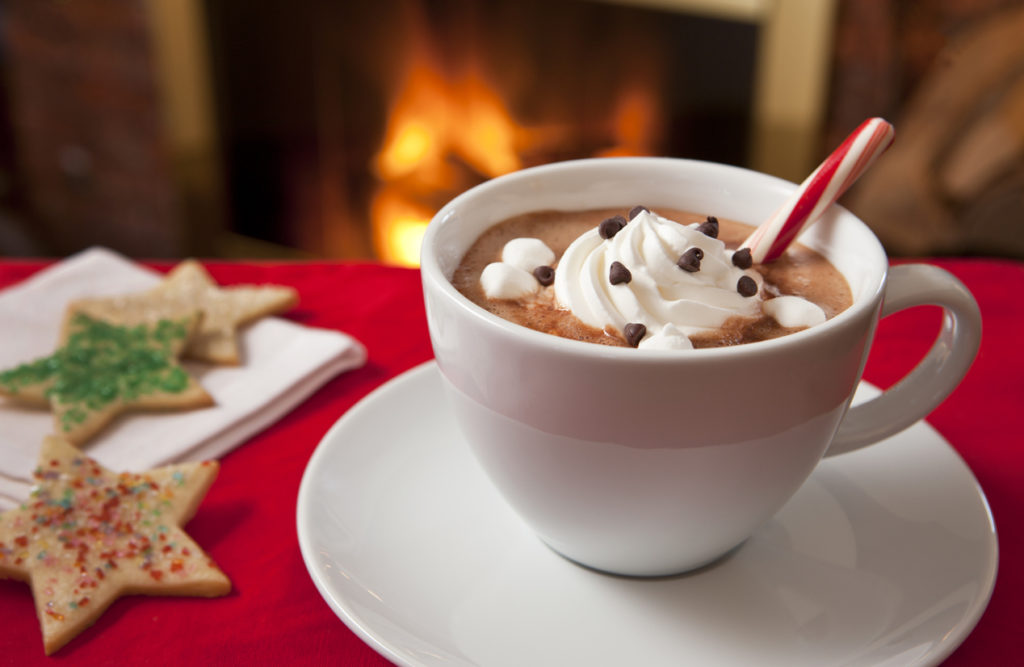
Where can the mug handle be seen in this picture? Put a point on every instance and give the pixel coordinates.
(941, 370)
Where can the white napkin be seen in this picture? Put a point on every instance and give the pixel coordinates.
(283, 363)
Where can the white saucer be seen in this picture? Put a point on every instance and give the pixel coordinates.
(885, 556)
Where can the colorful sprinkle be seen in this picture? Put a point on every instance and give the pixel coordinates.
(75, 536)
(101, 363)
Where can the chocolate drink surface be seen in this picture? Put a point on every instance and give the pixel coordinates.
(801, 273)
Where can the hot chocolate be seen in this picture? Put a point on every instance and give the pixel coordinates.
(663, 278)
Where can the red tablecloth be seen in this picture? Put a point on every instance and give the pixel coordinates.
(247, 522)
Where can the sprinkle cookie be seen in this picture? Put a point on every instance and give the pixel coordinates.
(188, 286)
(87, 535)
(103, 369)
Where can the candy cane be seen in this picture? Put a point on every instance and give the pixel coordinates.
(825, 185)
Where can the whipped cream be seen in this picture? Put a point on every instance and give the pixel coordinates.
(676, 280)
(669, 338)
(659, 293)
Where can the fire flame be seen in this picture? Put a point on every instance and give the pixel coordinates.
(433, 119)
(446, 133)
(635, 123)
(434, 125)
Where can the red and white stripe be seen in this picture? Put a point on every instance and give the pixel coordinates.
(828, 182)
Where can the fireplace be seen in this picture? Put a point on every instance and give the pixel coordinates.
(333, 129)
(344, 126)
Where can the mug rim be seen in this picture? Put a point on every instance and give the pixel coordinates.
(434, 277)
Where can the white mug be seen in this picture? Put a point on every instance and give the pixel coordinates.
(653, 462)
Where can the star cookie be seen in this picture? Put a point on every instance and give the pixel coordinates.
(103, 369)
(87, 535)
(189, 287)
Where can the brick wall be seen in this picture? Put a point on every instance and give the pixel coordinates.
(85, 120)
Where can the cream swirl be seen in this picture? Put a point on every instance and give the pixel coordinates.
(658, 292)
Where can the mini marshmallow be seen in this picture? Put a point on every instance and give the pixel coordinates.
(504, 281)
(792, 311)
(527, 254)
(669, 338)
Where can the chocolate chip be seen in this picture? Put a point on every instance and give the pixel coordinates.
(545, 275)
(690, 260)
(634, 332)
(746, 286)
(742, 258)
(610, 227)
(637, 210)
(618, 273)
(709, 227)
